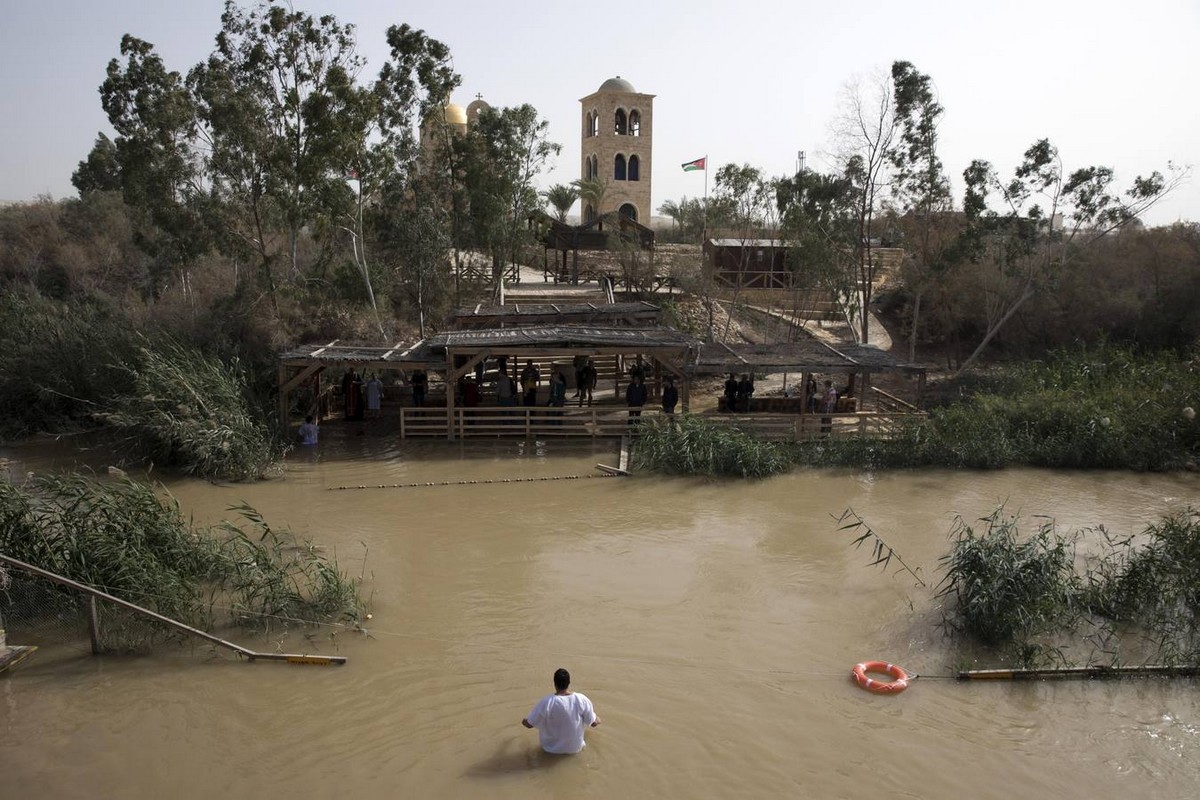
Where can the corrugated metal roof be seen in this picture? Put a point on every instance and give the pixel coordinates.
(518, 310)
(803, 356)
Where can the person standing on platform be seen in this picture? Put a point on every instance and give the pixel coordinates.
(374, 392)
(587, 383)
(506, 393)
(562, 718)
(745, 388)
(350, 400)
(531, 376)
(828, 406)
(670, 396)
(420, 382)
(635, 398)
(731, 390)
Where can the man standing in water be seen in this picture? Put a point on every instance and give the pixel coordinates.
(562, 717)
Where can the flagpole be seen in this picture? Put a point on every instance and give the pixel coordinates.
(704, 235)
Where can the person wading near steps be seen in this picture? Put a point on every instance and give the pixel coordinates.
(562, 718)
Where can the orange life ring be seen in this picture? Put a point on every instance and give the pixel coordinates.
(897, 684)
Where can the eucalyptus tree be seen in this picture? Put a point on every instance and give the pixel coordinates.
(153, 160)
(1046, 219)
(820, 226)
(414, 220)
(921, 191)
(275, 100)
(561, 197)
(504, 151)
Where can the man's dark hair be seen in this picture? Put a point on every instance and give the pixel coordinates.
(562, 679)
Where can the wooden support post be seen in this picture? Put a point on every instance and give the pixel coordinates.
(284, 393)
(451, 389)
(94, 626)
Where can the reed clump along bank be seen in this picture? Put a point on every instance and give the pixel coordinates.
(689, 445)
(193, 411)
(81, 365)
(1108, 408)
(1037, 602)
(133, 542)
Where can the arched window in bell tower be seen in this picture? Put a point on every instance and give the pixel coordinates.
(594, 123)
(595, 166)
(621, 126)
(629, 211)
(635, 123)
(634, 168)
(619, 168)
(587, 131)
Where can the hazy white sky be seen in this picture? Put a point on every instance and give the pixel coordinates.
(1110, 83)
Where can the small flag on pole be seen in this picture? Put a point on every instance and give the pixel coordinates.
(692, 166)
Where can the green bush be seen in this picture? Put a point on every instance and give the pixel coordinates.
(1005, 592)
(129, 541)
(57, 362)
(193, 411)
(690, 445)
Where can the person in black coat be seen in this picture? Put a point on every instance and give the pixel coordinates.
(635, 398)
(670, 396)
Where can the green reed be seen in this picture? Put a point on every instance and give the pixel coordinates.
(131, 541)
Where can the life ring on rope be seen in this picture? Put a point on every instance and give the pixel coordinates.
(898, 683)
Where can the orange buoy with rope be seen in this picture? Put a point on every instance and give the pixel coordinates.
(898, 683)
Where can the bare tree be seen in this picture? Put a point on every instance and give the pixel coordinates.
(864, 134)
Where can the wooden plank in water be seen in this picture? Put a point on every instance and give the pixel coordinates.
(611, 470)
(14, 654)
(1077, 673)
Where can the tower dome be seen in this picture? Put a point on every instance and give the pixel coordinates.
(617, 84)
(456, 114)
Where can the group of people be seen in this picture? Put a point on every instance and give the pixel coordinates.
(824, 400)
(363, 397)
(738, 392)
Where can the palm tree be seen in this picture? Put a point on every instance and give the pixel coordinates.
(561, 197)
(673, 210)
(591, 191)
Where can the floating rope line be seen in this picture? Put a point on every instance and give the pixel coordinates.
(467, 483)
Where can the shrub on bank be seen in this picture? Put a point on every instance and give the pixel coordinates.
(134, 543)
(690, 445)
(193, 411)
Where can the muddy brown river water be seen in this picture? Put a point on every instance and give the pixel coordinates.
(712, 624)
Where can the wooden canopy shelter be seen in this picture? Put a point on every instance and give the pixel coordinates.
(303, 366)
(608, 315)
(806, 357)
(595, 235)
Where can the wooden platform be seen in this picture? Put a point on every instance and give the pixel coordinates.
(13, 655)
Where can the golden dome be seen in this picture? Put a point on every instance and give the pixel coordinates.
(456, 114)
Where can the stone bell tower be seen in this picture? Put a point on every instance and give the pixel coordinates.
(616, 144)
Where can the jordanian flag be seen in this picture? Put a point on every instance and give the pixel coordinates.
(692, 166)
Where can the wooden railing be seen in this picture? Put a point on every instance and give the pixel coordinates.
(890, 404)
(614, 421)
